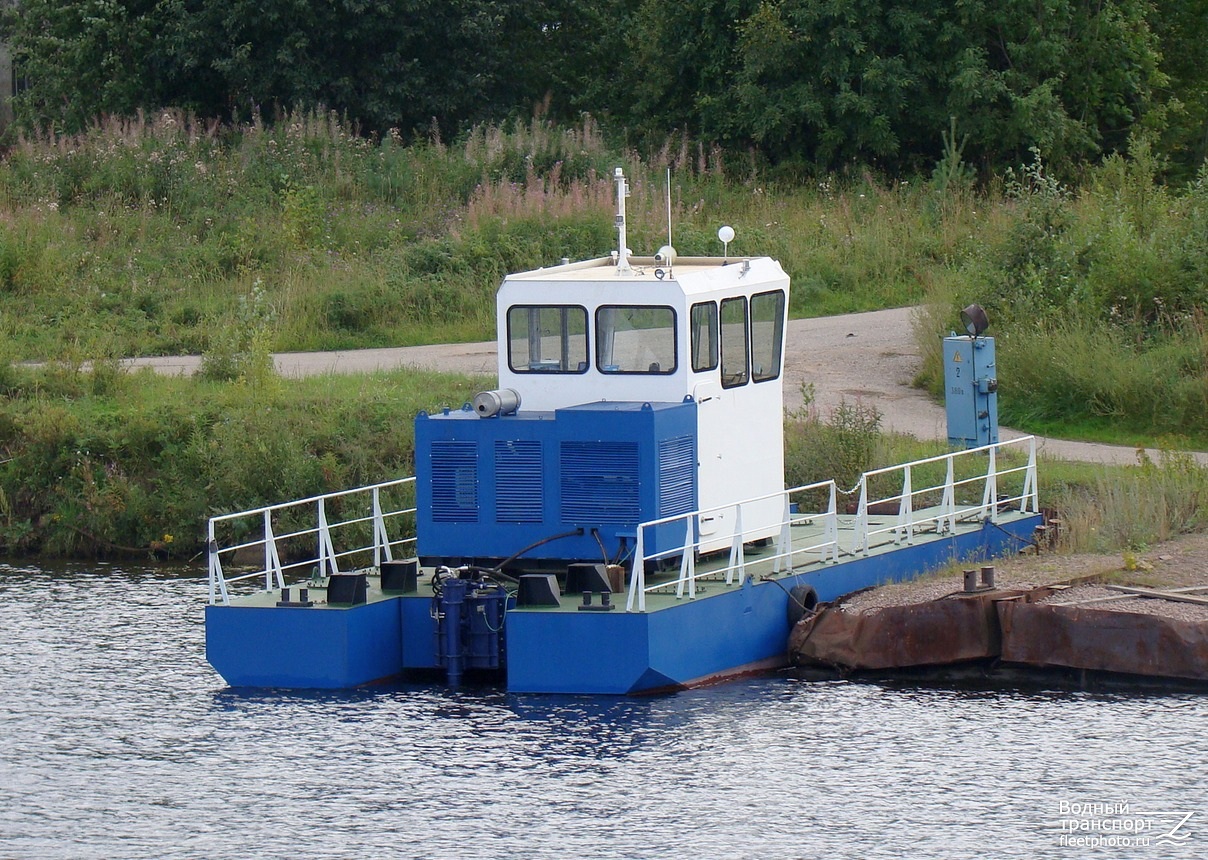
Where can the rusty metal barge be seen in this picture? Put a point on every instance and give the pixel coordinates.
(1119, 630)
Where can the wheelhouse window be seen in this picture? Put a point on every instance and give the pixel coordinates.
(735, 369)
(635, 339)
(767, 335)
(704, 336)
(547, 339)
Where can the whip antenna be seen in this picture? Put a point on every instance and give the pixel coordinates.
(669, 206)
(666, 254)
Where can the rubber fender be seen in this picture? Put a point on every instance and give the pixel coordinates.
(802, 600)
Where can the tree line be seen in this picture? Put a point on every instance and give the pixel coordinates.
(808, 84)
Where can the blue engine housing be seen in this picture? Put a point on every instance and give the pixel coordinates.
(489, 487)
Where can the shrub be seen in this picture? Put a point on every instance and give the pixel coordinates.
(1135, 507)
(841, 446)
(243, 351)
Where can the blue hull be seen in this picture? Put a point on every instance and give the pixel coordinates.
(684, 643)
(270, 646)
(697, 641)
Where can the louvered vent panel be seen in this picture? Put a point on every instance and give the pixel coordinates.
(677, 476)
(600, 483)
(519, 488)
(454, 482)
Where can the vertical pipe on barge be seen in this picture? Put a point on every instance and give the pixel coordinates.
(453, 596)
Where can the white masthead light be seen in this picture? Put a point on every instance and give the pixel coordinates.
(726, 234)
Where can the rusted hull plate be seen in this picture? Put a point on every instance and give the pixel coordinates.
(1100, 639)
(921, 634)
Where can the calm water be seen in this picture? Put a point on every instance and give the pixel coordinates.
(118, 741)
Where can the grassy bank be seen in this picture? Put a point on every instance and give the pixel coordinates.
(104, 463)
(101, 462)
(1097, 298)
(141, 237)
(161, 235)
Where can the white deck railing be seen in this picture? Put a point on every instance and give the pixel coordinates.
(783, 556)
(262, 532)
(944, 518)
(907, 521)
(365, 525)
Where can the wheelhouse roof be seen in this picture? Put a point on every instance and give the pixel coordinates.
(689, 276)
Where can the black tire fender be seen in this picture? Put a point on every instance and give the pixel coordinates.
(803, 600)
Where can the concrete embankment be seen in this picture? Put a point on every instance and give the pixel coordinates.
(1157, 627)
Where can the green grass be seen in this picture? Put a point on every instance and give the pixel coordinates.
(1096, 300)
(141, 237)
(1115, 508)
(104, 462)
(1107, 431)
(162, 236)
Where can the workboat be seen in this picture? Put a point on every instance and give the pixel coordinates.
(613, 518)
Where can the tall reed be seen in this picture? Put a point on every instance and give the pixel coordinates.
(1135, 507)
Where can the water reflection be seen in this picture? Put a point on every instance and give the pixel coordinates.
(118, 741)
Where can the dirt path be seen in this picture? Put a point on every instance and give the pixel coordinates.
(871, 357)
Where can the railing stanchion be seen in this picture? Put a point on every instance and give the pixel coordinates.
(906, 510)
(948, 503)
(272, 558)
(784, 541)
(687, 564)
(830, 530)
(1030, 503)
(327, 551)
(637, 579)
(381, 541)
(990, 496)
(214, 563)
(860, 539)
(737, 556)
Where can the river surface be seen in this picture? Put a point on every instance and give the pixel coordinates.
(118, 741)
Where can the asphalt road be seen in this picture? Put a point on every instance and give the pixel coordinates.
(870, 357)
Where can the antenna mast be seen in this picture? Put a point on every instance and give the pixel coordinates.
(623, 267)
